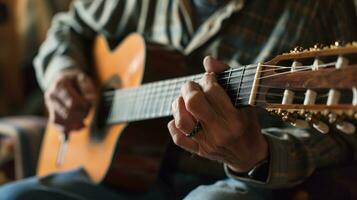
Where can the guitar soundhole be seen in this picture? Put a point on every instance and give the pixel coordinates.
(98, 128)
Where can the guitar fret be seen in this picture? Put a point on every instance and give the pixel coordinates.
(236, 101)
(153, 104)
(136, 105)
(228, 80)
(165, 98)
(153, 100)
(172, 98)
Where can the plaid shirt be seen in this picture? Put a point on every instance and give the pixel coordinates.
(241, 32)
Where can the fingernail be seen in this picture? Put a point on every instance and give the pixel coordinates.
(206, 59)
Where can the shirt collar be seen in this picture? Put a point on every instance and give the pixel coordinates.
(211, 26)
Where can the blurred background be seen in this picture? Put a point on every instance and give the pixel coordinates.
(23, 27)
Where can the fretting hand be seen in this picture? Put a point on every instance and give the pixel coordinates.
(69, 99)
(228, 135)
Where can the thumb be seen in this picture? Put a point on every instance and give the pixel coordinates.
(213, 65)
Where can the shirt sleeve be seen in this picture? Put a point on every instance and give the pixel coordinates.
(69, 39)
(295, 154)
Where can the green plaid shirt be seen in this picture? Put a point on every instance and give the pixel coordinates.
(240, 32)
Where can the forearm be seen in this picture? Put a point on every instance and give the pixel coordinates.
(295, 154)
(70, 37)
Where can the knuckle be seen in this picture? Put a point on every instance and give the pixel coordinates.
(174, 105)
(193, 100)
(210, 88)
(177, 140)
(203, 80)
(68, 102)
(169, 125)
(181, 125)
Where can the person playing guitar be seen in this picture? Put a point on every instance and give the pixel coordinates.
(205, 122)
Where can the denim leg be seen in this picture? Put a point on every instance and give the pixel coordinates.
(228, 189)
(73, 185)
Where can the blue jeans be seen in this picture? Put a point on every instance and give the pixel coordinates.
(75, 185)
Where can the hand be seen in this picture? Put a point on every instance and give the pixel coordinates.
(228, 135)
(69, 99)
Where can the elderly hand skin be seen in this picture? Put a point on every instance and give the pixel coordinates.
(69, 99)
(229, 135)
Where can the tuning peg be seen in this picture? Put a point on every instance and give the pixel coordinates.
(321, 127)
(343, 126)
(346, 127)
(341, 62)
(354, 93)
(317, 124)
(299, 123)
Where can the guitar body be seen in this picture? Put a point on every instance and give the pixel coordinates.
(126, 155)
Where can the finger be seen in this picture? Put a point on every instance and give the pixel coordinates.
(69, 103)
(63, 96)
(67, 128)
(74, 121)
(86, 87)
(73, 126)
(180, 139)
(216, 95)
(76, 100)
(184, 121)
(60, 115)
(212, 65)
(58, 108)
(196, 103)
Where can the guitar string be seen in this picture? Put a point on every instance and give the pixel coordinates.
(161, 91)
(108, 93)
(165, 111)
(140, 114)
(185, 79)
(246, 81)
(162, 108)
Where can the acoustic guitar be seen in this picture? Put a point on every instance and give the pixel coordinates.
(125, 137)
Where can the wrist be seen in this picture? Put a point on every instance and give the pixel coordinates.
(260, 172)
(261, 154)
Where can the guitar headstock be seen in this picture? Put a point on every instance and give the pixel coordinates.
(315, 86)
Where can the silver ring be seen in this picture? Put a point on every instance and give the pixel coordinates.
(197, 128)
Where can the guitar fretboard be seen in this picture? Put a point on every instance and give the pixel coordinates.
(153, 100)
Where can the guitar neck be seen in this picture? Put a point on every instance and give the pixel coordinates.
(153, 100)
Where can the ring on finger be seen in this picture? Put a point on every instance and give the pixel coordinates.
(197, 128)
